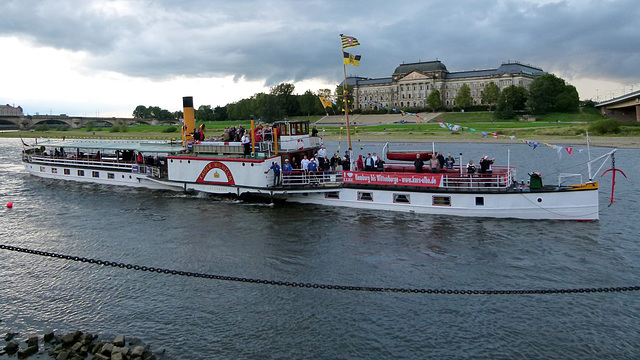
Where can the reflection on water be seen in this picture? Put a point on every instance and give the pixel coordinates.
(294, 242)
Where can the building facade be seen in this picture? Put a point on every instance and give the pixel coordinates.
(8, 110)
(411, 84)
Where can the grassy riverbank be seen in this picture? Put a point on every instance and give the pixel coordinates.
(552, 128)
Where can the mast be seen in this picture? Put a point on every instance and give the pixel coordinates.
(345, 92)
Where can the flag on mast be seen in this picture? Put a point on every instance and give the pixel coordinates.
(349, 41)
(350, 59)
(325, 102)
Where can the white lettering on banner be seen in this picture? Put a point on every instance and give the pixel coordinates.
(431, 180)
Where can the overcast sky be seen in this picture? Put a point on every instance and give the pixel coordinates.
(100, 57)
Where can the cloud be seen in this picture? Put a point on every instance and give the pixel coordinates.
(288, 40)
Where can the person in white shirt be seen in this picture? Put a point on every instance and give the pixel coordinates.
(246, 142)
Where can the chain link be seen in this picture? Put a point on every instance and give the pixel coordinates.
(313, 285)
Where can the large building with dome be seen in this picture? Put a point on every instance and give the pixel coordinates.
(410, 84)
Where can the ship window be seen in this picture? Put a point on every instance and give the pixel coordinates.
(110, 176)
(54, 170)
(332, 195)
(67, 171)
(95, 174)
(365, 196)
(479, 201)
(441, 200)
(401, 198)
(80, 172)
(42, 169)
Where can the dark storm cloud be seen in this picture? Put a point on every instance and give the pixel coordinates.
(286, 40)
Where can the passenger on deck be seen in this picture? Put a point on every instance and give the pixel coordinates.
(313, 168)
(471, 168)
(375, 159)
(335, 160)
(287, 169)
(314, 132)
(304, 163)
(485, 164)
(418, 163)
(380, 165)
(368, 163)
(246, 142)
(276, 173)
(434, 165)
(449, 161)
(441, 160)
(360, 163)
(346, 164)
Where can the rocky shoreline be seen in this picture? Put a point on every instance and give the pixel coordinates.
(77, 346)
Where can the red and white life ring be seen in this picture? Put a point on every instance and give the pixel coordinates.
(300, 144)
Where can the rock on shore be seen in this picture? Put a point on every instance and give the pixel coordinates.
(78, 346)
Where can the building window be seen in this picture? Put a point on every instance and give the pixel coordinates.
(401, 199)
(441, 200)
(80, 172)
(365, 196)
(332, 195)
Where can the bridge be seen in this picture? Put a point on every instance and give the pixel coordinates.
(75, 122)
(625, 107)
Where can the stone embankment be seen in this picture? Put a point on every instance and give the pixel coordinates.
(77, 346)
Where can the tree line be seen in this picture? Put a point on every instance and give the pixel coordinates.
(278, 104)
(547, 93)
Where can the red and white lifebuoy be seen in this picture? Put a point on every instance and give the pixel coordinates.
(300, 144)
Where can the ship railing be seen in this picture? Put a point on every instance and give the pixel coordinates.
(564, 176)
(501, 178)
(307, 178)
(101, 163)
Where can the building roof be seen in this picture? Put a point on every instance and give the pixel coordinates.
(360, 81)
(427, 66)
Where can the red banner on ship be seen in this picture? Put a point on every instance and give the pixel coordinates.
(402, 179)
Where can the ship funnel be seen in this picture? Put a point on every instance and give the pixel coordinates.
(189, 119)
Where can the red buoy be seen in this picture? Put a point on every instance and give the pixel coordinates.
(9, 204)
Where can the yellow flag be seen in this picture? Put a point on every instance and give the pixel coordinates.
(350, 59)
(349, 41)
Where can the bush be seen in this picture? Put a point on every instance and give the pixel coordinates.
(170, 129)
(605, 126)
(42, 127)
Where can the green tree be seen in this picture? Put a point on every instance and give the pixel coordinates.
(308, 103)
(512, 99)
(544, 92)
(220, 113)
(434, 102)
(285, 99)
(141, 112)
(568, 100)
(491, 94)
(204, 113)
(270, 107)
(463, 98)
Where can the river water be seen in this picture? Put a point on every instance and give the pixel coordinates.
(210, 319)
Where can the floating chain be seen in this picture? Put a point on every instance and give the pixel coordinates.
(315, 285)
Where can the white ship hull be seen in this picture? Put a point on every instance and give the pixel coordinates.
(555, 205)
(99, 175)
